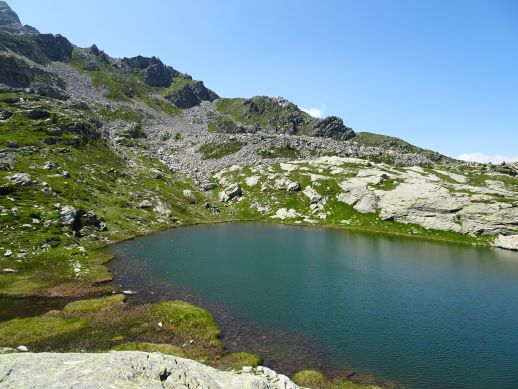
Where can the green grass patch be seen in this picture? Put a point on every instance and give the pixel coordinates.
(219, 150)
(35, 330)
(97, 305)
(309, 378)
(170, 327)
(236, 361)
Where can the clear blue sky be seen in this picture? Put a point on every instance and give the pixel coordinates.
(440, 74)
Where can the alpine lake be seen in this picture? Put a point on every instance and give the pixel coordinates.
(414, 313)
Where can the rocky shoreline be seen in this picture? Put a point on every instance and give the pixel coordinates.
(127, 369)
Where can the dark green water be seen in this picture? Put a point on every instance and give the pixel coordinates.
(420, 314)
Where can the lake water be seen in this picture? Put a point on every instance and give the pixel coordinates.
(417, 313)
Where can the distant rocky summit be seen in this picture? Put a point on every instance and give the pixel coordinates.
(127, 369)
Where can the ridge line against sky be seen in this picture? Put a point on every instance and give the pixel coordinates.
(438, 74)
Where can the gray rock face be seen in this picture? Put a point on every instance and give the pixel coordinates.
(127, 369)
(55, 47)
(8, 18)
(157, 74)
(138, 62)
(191, 95)
(333, 127)
(19, 74)
(15, 72)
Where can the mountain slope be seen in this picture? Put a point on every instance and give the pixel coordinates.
(96, 149)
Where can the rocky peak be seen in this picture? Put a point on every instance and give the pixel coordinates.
(8, 17)
(9, 21)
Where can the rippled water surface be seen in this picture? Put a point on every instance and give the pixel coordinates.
(418, 313)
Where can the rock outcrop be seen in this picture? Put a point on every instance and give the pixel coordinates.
(157, 74)
(191, 94)
(332, 127)
(127, 369)
(507, 242)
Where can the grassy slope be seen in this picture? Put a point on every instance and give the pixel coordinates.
(270, 115)
(98, 179)
(126, 87)
(388, 142)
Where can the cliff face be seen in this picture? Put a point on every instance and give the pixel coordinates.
(128, 369)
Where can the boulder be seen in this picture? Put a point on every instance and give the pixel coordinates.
(49, 165)
(161, 210)
(38, 113)
(20, 179)
(313, 196)
(90, 219)
(509, 242)
(68, 217)
(284, 213)
(145, 204)
(287, 185)
(4, 115)
(209, 186)
(230, 193)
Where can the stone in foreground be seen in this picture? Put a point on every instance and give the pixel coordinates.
(127, 369)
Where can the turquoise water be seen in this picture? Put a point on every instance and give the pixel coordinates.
(418, 313)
